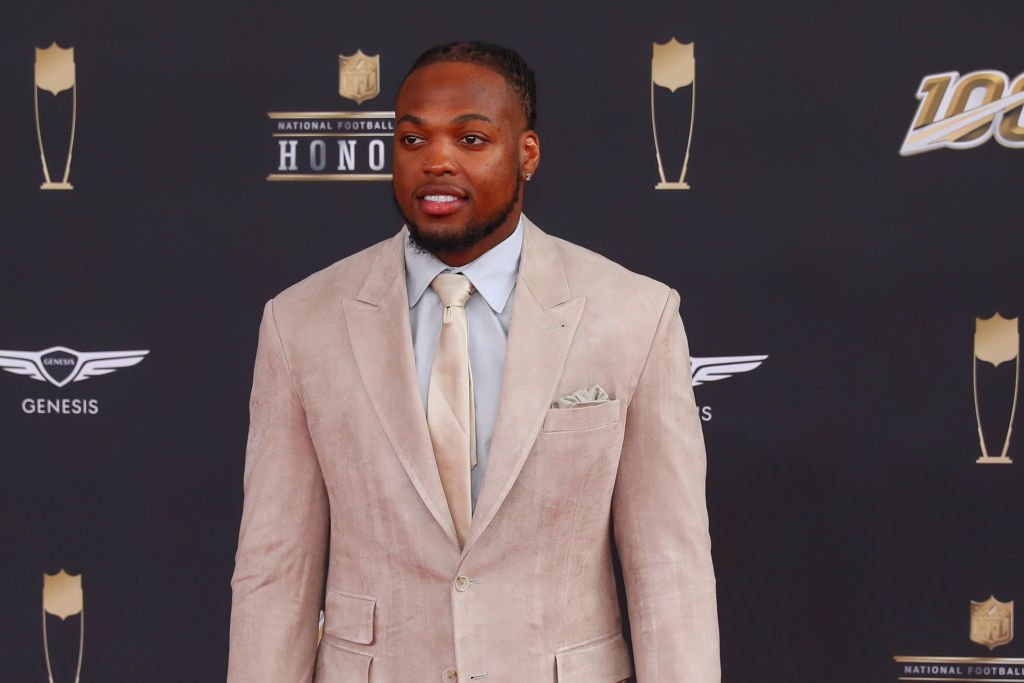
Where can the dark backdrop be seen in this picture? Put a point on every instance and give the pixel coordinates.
(849, 519)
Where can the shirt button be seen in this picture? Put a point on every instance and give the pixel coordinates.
(461, 583)
(449, 675)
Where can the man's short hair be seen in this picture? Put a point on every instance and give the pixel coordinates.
(508, 63)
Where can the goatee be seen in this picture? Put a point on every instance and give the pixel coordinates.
(466, 238)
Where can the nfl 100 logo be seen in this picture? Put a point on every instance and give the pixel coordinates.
(961, 112)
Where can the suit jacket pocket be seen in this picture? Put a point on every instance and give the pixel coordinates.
(601, 660)
(338, 664)
(349, 616)
(580, 419)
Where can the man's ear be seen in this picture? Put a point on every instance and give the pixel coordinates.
(529, 152)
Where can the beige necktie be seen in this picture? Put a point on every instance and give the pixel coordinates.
(451, 417)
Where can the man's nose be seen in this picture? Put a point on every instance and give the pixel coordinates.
(439, 162)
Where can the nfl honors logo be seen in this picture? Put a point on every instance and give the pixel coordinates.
(991, 626)
(337, 145)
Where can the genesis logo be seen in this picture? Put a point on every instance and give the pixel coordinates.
(716, 368)
(720, 367)
(60, 366)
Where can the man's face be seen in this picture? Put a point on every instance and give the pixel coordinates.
(460, 152)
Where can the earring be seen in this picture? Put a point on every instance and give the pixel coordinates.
(528, 176)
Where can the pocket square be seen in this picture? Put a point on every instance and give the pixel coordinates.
(582, 397)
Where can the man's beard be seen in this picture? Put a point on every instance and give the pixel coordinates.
(466, 238)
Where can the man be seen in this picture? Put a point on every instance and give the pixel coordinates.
(448, 428)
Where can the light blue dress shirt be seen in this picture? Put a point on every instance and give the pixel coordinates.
(488, 313)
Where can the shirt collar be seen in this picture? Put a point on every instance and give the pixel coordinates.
(493, 273)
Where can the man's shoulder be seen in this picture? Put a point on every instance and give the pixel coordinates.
(342, 279)
(603, 280)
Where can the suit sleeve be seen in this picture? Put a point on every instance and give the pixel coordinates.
(278, 582)
(660, 519)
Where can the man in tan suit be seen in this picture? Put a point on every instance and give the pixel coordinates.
(449, 428)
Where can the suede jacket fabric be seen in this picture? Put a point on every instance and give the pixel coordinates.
(344, 509)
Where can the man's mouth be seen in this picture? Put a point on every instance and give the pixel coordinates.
(440, 204)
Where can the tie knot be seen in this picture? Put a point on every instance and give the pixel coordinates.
(454, 289)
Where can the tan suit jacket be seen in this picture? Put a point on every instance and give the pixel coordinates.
(344, 508)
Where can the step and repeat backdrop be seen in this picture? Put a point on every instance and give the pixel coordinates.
(833, 188)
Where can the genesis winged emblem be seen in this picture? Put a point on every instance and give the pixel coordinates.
(716, 368)
(60, 365)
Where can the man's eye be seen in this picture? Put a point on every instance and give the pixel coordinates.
(410, 139)
(473, 139)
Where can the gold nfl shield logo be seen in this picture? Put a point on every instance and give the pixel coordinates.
(359, 76)
(991, 622)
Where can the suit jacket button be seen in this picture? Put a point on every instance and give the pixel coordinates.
(461, 583)
(449, 675)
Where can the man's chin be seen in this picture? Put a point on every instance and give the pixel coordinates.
(434, 230)
(440, 238)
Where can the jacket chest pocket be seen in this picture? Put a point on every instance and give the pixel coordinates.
(580, 432)
(582, 419)
(575, 446)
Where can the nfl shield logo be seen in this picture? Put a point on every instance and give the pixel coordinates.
(991, 622)
(359, 76)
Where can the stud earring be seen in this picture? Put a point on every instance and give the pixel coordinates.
(528, 177)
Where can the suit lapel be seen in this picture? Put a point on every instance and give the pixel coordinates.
(544, 319)
(381, 338)
(543, 322)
